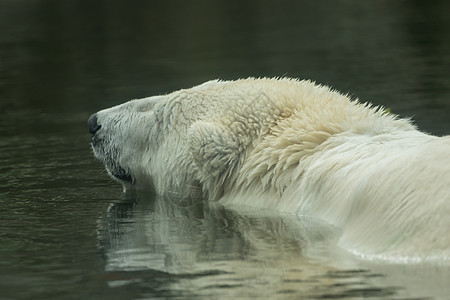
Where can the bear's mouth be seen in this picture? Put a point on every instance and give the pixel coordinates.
(120, 174)
(116, 171)
(109, 160)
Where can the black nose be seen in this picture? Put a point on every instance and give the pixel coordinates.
(93, 125)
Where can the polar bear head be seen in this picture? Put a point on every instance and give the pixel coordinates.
(184, 140)
(202, 138)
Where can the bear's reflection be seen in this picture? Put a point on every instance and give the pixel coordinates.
(182, 236)
(201, 248)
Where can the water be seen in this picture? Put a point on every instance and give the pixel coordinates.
(66, 229)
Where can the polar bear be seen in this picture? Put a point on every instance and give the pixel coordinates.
(291, 146)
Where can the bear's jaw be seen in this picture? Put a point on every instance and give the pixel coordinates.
(115, 170)
(120, 174)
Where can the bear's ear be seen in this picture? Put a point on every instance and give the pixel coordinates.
(215, 150)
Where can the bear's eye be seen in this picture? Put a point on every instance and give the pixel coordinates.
(145, 107)
(147, 104)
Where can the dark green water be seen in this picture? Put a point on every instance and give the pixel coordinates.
(66, 230)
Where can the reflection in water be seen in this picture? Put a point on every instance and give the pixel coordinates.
(163, 248)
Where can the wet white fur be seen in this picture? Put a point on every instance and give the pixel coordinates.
(296, 147)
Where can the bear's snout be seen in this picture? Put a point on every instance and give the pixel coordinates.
(93, 124)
